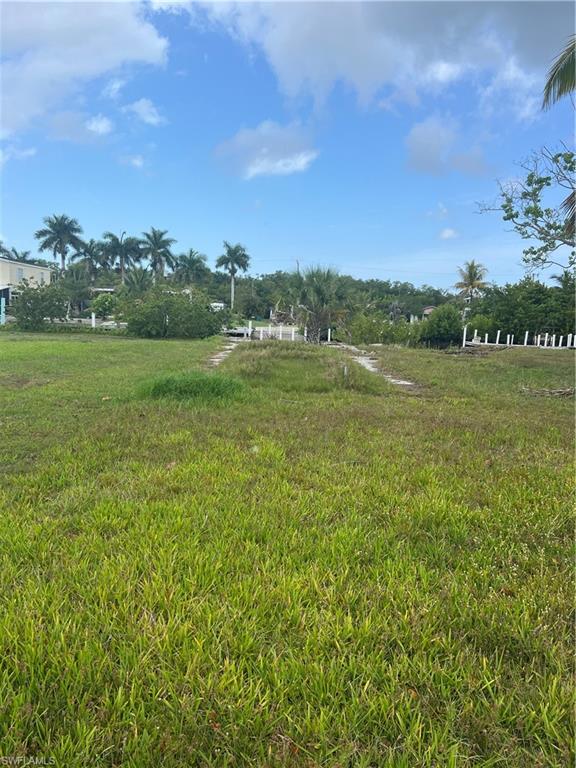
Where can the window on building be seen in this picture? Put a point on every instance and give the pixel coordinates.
(19, 274)
(42, 281)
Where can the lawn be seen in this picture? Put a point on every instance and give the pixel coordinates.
(326, 571)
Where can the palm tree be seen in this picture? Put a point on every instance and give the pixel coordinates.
(124, 250)
(561, 79)
(319, 301)
(233, 259)
(156, 248)
(59, 234)
(75, 286)
(471, 281)
(93, 256)
(138, 281)
(191, 267)
(561, 82)
(17, 255)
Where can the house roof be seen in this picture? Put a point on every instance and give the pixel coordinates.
(26, 263)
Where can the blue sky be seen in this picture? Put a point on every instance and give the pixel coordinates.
(355, 135)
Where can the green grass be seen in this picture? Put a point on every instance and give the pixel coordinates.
(194, 387)
(331, 572)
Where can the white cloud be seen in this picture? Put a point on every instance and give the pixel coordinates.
(401, 48)
(112, 89)
(51, 49)
(145, 110)
(136, 161)
(268, 150)
(99, 125)
(448, 234)
(433, 147)
(13, 153)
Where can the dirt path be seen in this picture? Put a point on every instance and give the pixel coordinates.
(369, 361)
(222, 354)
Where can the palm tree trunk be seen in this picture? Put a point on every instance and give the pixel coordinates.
(231, 291)
(63, 261)
(122, 271)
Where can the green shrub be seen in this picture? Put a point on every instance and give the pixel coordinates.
(33, 305)
(377, 328)
(443, 327)
(160, 315)
(481, 323)
(195, 385)
(104, 305)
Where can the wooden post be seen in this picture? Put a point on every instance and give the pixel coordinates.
(464, 336)
(498, 337)
(293, 333)
(526, 339)
(93, 319)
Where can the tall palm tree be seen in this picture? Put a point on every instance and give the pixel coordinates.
(17, 255)
(561, 79)
(319, 301)
(124, 250)
(156, 248)
(234, 259)
(191, 267)
(94, 257)
(471, 281)
(58, 235)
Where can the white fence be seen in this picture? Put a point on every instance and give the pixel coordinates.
(544, 340)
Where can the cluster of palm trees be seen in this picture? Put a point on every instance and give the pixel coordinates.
(61, 235)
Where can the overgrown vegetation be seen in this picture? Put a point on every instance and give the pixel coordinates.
(194, 386)
(162, 315)
(318, 577)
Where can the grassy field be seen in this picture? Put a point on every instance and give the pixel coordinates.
(326, 571)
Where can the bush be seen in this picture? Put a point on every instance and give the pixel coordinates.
(377, 328)
(160, 315)
(481, 323)
(443, 327)
(33, 305)
(104, 305)
(196, 385)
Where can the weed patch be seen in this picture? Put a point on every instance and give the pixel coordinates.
(195, 386)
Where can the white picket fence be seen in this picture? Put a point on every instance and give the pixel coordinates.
(544, 340)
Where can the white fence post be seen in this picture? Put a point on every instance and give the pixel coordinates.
(464, 336)
(250, 328)
(526, 339)
(93, 319)
(293, 334)
(261, 334)
(329, 335)
(305, 333)
(498, 337)
(512, 340)
(270, 331)
(507, 339)
(281, 332)
(560, 341)
(546, 340)
(569, 340)
(554, 340)
(537, 340)
(2, 311)
(485, 338)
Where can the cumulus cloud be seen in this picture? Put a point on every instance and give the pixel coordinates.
(448, 234)
(268, 150)
(99, 125)
(145, 110)
(51, 49)
(401, 48)
(433, 147)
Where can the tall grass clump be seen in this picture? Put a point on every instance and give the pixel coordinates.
(195, 386)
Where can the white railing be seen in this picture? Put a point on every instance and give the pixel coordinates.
(544, 340)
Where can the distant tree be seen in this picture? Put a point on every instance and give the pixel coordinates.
(58, 235)
(561, 79)
(234, 259)
(319, 301)
(104, 305)
(93, 256)
(156, 248)
(121, 250)
(471, 282)
(443, 327)
(191, 268)
(17, 255)
(75, 285)
(138, 282)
